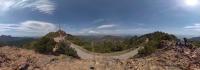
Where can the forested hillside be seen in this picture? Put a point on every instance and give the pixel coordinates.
(6, 40)
(108, 44)
(47, 45)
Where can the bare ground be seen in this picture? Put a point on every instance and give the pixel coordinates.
(84, 54)
(174, 59)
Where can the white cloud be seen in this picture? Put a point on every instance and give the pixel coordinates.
(93, 32)
(5, 27)
(44, 6)
(106, 26)
(37, 27)
(195, 27)
(117, 31)
(88, 31)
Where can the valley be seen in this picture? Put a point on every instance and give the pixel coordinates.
(58, 50)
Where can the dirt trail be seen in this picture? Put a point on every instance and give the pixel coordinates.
(84, 54)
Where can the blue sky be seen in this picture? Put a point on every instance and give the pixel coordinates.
(88, 17)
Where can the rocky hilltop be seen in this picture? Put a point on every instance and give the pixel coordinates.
(160, 52)
(171, 58)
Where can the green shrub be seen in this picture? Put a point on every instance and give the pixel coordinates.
(108, 44)
(67, 50)
(146, 50)
(154, 42)
(196, 43)
(149, 48)
(44, 45)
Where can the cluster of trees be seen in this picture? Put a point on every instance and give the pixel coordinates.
(105, 44)
(14, 41)
(154, 40)
(46, 44)
(63, 48)
(196, 43)
(76, 40)
(108, 44)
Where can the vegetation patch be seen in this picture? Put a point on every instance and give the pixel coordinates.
(66, 50)
(46, 45)
(110, 44)
(154, 41)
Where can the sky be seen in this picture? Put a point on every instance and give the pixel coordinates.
(99, 17)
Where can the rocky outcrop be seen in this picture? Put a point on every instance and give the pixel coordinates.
(174, 58)
(21, 59)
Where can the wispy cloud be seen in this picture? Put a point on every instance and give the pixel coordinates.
(93, 32)
(5, 27)
(106, 26)
(44, 6)
(195, 27)
(38, 27)
(115, 31)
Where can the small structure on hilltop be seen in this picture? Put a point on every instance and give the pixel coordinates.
(60, 38)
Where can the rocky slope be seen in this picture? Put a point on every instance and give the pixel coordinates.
(171, 58)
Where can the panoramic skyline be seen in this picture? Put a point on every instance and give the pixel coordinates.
(91, 17)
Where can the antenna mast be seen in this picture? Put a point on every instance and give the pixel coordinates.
(59, 30)
(59, 26)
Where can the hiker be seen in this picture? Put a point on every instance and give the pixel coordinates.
(185, 41)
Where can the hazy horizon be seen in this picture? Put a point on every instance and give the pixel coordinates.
(120, 35)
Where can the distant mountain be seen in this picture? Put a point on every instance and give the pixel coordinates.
(15, 41)
(195, 39)
(6, 38)
(109, 43)
(110, 37)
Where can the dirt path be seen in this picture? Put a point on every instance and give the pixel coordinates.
(84, 54)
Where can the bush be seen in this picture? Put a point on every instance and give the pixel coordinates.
(44, 45)
(108, 44)
(76, 40)
(67, 50)
(196, 43)
(149, 48)
(154, 42)
(146, 50)
(105, 46)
